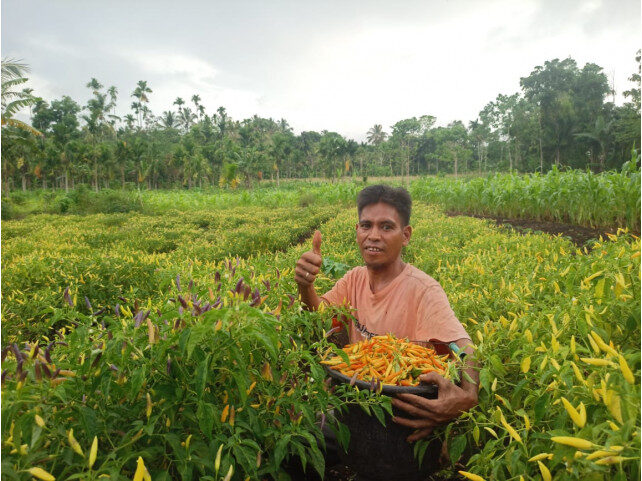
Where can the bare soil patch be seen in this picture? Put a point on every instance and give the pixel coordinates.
(578, 234)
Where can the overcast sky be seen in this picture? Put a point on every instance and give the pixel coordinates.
(339, 65)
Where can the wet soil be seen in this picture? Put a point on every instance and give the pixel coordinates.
(579, 235)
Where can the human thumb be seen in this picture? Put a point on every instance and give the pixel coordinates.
(432, 378)
(316, 242)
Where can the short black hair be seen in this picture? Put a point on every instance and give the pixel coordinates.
(398, 197)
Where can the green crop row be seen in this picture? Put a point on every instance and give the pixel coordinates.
(606, 201)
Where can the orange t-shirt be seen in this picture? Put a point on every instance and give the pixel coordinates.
(412, 306)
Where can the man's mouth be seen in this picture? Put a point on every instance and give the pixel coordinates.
(373, 249)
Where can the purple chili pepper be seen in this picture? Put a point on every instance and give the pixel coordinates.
(177, 323)
(182, 301)
(68, 297)
(267, 284)
(113, 367)
(217, 277)
(16, 352)
(233, 270)
(88, 304)
(247, 290)
(180, 310)
(178, 282)
(278, 273)
(217, 303)
(191, 284)
(117, 310)
(322, 421)
(84, 398)
(168, 367)
(95, 363)
(62, 343)
(237, 289)
(138, 318)
(47, 351)
(46, 370)
(37, 371)
(122, 299)
(99, 312)
(291, 300)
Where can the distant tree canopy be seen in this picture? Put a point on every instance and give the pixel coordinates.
(561, 117)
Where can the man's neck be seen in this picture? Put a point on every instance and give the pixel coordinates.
(381, 277)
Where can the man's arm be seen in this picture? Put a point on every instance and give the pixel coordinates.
(452, 400)
(306, 271)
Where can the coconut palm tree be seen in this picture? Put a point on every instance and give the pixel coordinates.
(168, 120)
(376, 135)
(12, 100)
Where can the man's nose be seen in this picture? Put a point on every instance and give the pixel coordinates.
(375, 233)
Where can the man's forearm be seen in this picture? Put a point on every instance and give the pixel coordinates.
(309, 297)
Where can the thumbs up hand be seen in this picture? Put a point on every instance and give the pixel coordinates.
(309, 264)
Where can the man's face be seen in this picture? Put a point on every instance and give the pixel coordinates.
(381, 235)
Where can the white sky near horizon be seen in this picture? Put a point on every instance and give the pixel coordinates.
(337, 65)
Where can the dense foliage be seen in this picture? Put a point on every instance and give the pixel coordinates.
(562, 117)
(159, 372)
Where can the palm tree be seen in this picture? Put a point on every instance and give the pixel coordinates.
(140, 93)
(94, 85)
(168, 120)
(12, 100)
(180, 102)
(196, 99)
(186, 118)
(376, 135)
(113, 94)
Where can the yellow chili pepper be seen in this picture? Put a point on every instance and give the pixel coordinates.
(546, 474)
(217, 461)
(73, 443)
(514, 434)
(525, 365)
(578, 443)
(93, 451)
(600, 454)
(593, 361)
(626, 371)
(39, 421)
(572, 412)
(41, 474)
(541, 456)
(611, 460)
(471, 476)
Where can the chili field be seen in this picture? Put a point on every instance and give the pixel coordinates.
(172, 345)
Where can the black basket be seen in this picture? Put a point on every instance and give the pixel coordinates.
(378, 453)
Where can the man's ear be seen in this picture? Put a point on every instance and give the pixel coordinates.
(407, 233)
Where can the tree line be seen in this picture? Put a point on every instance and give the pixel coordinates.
(563, 116)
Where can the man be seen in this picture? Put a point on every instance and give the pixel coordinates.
(390, 296)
